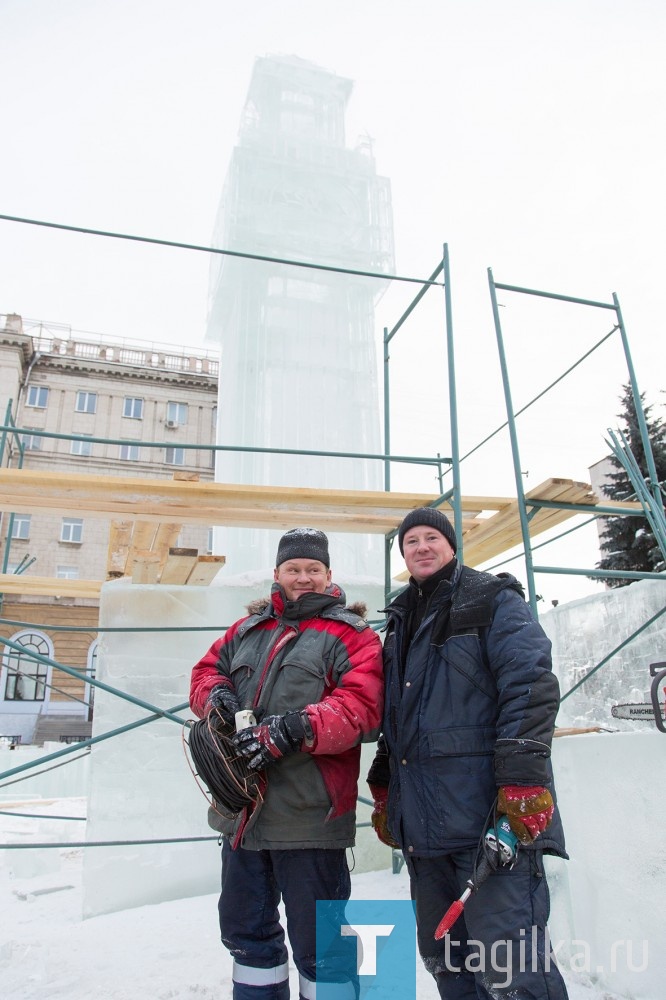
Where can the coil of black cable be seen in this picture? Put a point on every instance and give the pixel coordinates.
(219, 765)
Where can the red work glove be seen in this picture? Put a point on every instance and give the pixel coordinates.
(528, 808)
(378, 819)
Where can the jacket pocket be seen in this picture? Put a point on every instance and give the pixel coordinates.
(460, 777)
(221, 820)
(300, 681)
(464, 653)
(244, 678)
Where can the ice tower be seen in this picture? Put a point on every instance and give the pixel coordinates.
(299, 365)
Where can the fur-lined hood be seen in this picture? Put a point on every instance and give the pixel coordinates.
(258, 606)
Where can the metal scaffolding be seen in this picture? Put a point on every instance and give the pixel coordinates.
(389, 508)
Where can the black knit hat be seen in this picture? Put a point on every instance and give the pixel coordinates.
(433, 519)
(303, 543)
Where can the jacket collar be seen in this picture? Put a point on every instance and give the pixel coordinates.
(307, 606)
(439, 585)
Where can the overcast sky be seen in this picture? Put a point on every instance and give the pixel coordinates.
(526, 134)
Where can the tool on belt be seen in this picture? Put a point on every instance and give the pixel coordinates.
(500, 847)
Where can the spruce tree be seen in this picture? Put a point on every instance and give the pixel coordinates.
(628, 542)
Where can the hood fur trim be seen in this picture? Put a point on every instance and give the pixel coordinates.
(258, 606)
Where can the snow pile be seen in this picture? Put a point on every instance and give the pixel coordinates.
(167, 951)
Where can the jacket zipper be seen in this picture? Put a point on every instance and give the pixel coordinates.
(278, 645)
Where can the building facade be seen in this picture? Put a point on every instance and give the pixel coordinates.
(115, 408)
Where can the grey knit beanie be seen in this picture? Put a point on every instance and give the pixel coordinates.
(433, 519)
(303, 543)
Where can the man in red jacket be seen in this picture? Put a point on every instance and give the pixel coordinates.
(310, 670)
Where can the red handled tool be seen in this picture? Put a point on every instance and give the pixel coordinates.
(499, 839)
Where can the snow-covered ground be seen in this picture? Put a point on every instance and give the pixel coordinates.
(169, 951)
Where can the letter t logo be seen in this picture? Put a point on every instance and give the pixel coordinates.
(366, 944)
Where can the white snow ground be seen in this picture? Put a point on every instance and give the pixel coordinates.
(169, 951)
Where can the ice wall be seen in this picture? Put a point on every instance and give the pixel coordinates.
(586, 631)
(609, 899)
(45, 781)
(141, 786)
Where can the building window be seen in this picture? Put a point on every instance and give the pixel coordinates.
(176, 414)
(21, 526)
(129, 452)
(174, 456)
(86, 402)
(81, 448)
(71, 530)
(38, 396)
(133, 408)
(67, 572)
(25, 676)
(32, 442)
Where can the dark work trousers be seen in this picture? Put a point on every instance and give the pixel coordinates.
(252, 884)
(498, 947)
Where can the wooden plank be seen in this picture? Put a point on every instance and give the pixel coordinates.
(145, 567)
(29, 491)
(205, 570)
(120, 536)
(186, 477)
(166, 537)
(170, 503)
(143, 535)
(502, 531)
(48, 586)
(209, 503)
(578, 730)
(127, 539)
(179, 565)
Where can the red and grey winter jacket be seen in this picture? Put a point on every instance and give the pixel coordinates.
(313, 654)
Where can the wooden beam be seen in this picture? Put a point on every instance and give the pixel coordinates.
(179, 565)
(145, 567)
(280, 507)
(48, 586)
(166, 537)
(205, 570)
(120, 538)
(158, 507)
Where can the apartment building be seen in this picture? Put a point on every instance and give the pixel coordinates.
(99, 407)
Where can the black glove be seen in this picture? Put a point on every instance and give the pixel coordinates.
(223, 699)
(275, 737)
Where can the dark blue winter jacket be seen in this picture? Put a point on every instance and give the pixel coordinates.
(470, 706)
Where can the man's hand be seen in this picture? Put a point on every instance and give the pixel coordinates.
(275, 737)
(379, 818)
(529, 810)
(223, 699)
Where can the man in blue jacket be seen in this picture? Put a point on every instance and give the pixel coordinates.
(469, 714)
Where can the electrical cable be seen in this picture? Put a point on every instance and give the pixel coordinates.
(224, 771)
